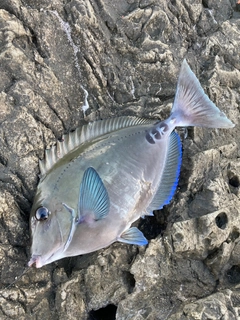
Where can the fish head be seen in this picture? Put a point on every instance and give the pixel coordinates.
(50, 224)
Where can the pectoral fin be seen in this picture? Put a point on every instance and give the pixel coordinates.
(133, 236)
(93, 197)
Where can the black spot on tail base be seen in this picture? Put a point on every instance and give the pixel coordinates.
(149, 138)
(156, 134)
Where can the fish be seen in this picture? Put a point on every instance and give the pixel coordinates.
(107, 174)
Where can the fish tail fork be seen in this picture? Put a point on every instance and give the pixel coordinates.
(192, 107)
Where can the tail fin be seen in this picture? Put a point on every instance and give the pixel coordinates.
(192, 107)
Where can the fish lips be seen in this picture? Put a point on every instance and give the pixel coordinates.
(37, 260)
(41, 260)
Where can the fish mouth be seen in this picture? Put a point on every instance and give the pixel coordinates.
(56, 253)
(37, 260)
(41, 260)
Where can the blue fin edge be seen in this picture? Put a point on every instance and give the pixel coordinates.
(165, 193)
(175, 184)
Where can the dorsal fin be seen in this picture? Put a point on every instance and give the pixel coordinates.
(84, 134)
(169, 180)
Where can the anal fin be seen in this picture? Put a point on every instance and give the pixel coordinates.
(169, 180)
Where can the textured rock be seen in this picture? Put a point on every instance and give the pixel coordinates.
(64, 63)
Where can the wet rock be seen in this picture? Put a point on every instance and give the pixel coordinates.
(63, 64)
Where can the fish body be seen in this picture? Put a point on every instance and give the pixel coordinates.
(106, 175)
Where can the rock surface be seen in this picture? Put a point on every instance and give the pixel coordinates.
(64, 63)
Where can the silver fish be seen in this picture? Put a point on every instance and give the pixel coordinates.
(107, 174)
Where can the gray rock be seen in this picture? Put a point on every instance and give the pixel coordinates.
(64, 63)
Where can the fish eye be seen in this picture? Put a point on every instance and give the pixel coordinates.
(42, 213)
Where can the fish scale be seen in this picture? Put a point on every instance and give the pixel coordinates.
(106, 175)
